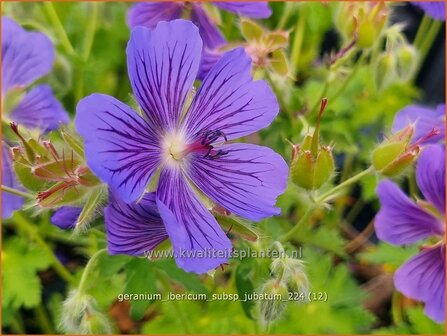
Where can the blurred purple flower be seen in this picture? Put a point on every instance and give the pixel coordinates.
(425, 120)
(65, 217)
(150, 13)
(185, 144)
(402, 221)
(435, 9)
(27, 56)
(10, 202)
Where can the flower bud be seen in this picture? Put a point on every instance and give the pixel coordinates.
(312, 164)
(363, 20)
(406, 62)
(396, 153)
(298, 282)
(292, 272)
(385, 72)
(80, 316)
(274, 303)
(265, 48)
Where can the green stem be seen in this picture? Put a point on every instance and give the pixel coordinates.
(297, 44)
(44, 320)
(412, 185)
(90, 32)
(344, 184)
(56, 22)
(17, 192)
(165, 283)
(285, 15)
(321, 96)
(26, 226)
(280, 96)
(422, 31)
(427, 42)
(348, 79)
(88, 269)
(303, 220)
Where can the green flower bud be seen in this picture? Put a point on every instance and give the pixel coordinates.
(265, 48)
(396, 153)
(366, 35)
(385, 72)
(292, 272)
(80, 315)
(407, 59)
(298, 282)
(362, 21)
(273, 305)
(312, 164)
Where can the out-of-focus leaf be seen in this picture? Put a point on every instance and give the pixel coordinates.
(328, 239)
(245, 286)
(189, 280)
(384, 253)
(21, 285)
(140, 277)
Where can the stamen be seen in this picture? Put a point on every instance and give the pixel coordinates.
(425, 138)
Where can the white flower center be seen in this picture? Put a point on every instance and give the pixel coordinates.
(174, 147)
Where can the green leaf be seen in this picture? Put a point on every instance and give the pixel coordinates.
(422, 324)
(329, 239)
(384, 253)
(245, 286)
(189, 280)
(21, 285)
(140, 279)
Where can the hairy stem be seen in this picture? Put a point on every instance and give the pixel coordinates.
(303, 220)
(17, 192)
(344, 184)
(23, 224)
(88, 269)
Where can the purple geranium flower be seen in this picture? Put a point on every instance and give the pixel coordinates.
(182, 144)
(425, 120)
(27, 56)
(435, 9)
(65, 217)
(10, 203)
(401, 221)
(133, 229)
(150, 13)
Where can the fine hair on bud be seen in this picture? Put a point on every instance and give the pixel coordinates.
(272, 305)
(80, 315)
